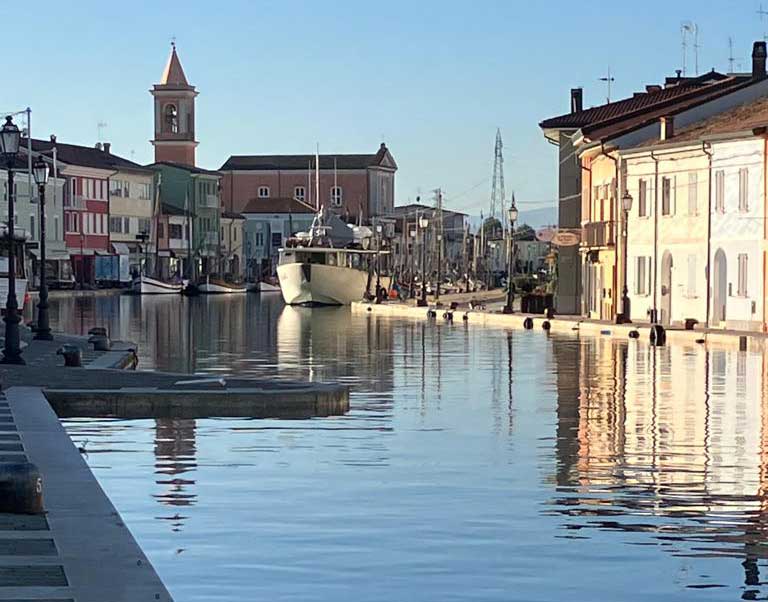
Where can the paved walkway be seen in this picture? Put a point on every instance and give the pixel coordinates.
(79, 550)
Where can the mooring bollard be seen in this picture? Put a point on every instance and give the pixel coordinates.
(98, 331)
(546, 325)
(100, 343)
(73, 355)
(658, 335)
(465, 317)
(634, 334)
(528, 323)
(21, 488)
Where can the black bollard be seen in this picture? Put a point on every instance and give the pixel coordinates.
(21, 488)
(634, 334)
(100, 343)
(98, 331)
(546, 325)
(73, 355)
(658, 335)
(528, 323)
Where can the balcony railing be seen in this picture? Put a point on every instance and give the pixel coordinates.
(599, 234)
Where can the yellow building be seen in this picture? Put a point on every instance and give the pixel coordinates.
(600, 224)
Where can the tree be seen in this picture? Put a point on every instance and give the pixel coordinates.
(525, 232)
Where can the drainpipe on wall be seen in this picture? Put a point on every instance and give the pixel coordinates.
(655, 310)
(707, 152)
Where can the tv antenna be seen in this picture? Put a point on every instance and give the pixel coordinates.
(690, 28)
(762, 13)
(100, 127)
(608, 78)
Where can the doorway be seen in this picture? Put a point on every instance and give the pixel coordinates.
(666, 288)
(720, 288)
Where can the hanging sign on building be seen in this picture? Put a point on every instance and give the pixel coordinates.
(546, 234)
(564, 238)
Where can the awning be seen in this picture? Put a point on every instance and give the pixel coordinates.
(50, 254)
(102, 252)
(164, 254)
(121, 248)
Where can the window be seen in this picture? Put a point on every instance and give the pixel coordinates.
(145, 191)
(693, 190)
(145, 225)
(642, 199)
(56, 227)
(720, 191)
(116, 225)
(742, 289)
(32, 231)
(299, 193)
(666, 196)
(234, 235)
(277, 239)
(174, 231)
(691, 288)
(126, 225)
(336, 196)
(743, 190)
(263, 192)
(171, 119)
(161, 230)
(642, 275)
(259, 239)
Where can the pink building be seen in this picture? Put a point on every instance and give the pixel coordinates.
(353, 186)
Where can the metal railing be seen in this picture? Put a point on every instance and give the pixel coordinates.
(599, 234)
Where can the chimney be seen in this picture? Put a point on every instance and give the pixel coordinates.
(577, 100)
(107, 146)
(98, 146)
(653, 88)
(758, 60)
(666, 128)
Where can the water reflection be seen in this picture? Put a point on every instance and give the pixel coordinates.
(471, 458)
(174, 458)
(670, 442)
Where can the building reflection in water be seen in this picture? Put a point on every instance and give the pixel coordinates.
(175, 464)
(678, 432)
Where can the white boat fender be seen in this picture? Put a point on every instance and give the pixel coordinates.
(528, 323)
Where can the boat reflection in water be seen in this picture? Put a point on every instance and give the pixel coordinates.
(175, 463)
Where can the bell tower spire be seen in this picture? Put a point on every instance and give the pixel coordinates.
(174, 99)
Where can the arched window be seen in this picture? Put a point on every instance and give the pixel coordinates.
(171, 119)
(336, 196)
(263, 192)
(299, 193)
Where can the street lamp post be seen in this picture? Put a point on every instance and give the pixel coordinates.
(423, 224)
(40, 172)
(412, 292)
(626, 205)
(511, 260)
(10, 137)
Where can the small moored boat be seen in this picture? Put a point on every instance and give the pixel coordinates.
(146, 285)
(218, 286)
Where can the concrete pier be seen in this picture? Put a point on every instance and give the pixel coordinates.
(79, 550)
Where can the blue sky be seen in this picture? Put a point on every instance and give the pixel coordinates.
(433, 79)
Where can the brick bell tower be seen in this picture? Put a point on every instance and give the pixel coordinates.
(174, 114)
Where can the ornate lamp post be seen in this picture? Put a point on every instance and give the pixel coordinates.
(511, 259)
(40, 172)
(423, 224)
(10, 137)
(626, 205)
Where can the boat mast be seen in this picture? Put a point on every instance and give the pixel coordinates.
(317, 177)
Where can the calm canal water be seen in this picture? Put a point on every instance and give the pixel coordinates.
(476, 464)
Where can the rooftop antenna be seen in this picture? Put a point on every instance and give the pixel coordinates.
(731, 59)
(690, 28)
(100, 126)
(608, 79)
(173, 42)
(762, 14)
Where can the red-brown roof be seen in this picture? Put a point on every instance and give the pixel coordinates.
(173, 74)
(640, 102)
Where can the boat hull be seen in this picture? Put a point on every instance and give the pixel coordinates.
(143, 285)
(317, 284)
(216, 287)
(266, 287)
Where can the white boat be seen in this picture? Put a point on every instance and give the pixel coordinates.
(216, 286)
(267, 287)
(324, 276)
(145, 285)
